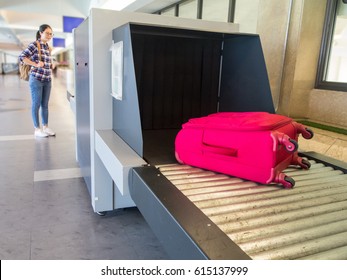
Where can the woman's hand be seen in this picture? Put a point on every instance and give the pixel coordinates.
(40, 64)
(32, 63)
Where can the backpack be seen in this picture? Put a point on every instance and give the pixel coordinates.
(24, 69)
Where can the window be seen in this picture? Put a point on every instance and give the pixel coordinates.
(169, 11)
(220, 10)
(188, 9)
(215, 10)
(332, 65)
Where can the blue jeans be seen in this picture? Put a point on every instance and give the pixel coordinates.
(40, 92)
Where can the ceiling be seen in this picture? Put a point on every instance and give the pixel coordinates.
(20, 19)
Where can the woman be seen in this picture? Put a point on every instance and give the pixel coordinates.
(40, 78)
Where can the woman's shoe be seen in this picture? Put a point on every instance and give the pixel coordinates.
(40, 133)
(48, 131)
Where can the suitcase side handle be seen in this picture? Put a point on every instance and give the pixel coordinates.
(225, 151)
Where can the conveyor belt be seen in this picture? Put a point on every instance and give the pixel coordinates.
(269, 222)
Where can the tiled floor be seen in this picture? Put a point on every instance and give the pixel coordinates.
(45, 210)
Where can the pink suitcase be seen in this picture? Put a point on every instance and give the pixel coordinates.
(255, 146)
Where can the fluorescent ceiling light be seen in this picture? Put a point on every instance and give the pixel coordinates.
(116, 4)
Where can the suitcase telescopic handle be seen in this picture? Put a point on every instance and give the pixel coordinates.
(225, 151)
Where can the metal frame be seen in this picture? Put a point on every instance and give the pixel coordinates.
(325, 50)
(336, 164)
(184, 231)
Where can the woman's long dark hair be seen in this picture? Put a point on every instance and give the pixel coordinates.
(42, 28)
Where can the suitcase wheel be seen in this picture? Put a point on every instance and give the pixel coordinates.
(308, 133)
(291, 145)
(288, 182)
(304, 163)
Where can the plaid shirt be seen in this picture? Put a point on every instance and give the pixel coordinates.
(43, 74)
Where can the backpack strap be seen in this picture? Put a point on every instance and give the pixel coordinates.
(39, 49)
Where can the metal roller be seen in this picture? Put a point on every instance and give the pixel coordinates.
(254, 195)
(293, 228)
(245, 188)
(188, 174)
(268, 222)
(221, 188)
(200, 185)
(306, 248)
(279, 210)
(266, 219)
(332, 254)
(212, 177)
(285, 206)
(262, 200)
